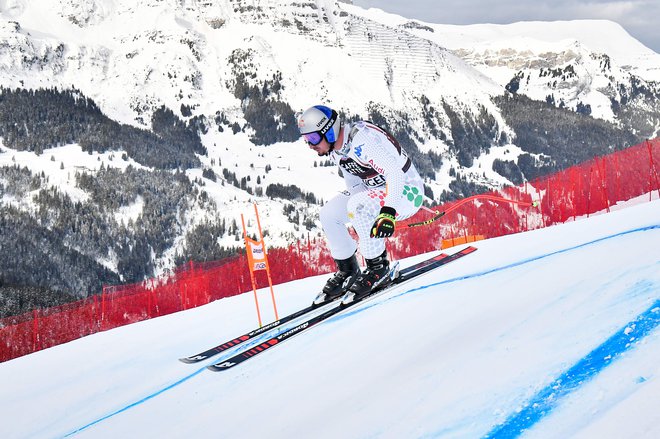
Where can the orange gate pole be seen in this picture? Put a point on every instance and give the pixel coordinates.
(270, 282)
(254, 285)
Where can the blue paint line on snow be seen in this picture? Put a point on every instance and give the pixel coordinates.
(136, 403)
(588, 367)
(371, 304)
(226, 354)
(341, 316)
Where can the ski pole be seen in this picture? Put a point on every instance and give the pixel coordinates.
(439, 214)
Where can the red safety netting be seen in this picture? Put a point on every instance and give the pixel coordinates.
(582, 190)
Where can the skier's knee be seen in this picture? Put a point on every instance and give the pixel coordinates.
(326, 215)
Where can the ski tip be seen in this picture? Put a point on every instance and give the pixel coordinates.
(191, 360)
(195, 359)
(218, 367)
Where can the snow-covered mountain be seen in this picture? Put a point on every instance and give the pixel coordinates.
(240, 69)
(131, 57)
(580, 62)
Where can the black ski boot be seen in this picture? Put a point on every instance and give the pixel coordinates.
(336, 286)
(374, 277)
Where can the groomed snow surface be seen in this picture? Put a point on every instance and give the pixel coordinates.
(555, 332)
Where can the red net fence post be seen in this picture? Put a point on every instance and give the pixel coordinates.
(17, 336)
(597, 193)
(66, 323)
(653, 147)
(41, 329)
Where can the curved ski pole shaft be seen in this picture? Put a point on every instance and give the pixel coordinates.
(438, 214)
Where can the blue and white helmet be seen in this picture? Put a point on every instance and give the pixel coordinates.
(317, 122)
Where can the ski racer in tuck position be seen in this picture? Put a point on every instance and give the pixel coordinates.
(382, 186)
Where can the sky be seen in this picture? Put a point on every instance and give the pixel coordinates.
(638, 17)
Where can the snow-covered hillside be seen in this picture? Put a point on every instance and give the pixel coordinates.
(554, 330)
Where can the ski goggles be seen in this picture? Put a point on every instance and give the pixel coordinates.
(313, 138)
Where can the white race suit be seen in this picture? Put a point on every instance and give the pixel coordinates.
(377, 172)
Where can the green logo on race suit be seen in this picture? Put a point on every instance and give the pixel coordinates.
(413, 195)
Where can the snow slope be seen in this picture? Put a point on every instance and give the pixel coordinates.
(564, 317)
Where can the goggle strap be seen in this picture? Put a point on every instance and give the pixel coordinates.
(331, 122)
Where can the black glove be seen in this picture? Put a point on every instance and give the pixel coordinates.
(384, 225)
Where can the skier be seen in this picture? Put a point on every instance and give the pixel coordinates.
(382, 186)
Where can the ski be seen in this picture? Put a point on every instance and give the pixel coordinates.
(284, 320)
(247, 336)
(256, 332)
(405, 275)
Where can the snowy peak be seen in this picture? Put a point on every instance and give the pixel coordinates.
(131, 57)
(311, 18)
(566, 74)
(602, 36)
(589, 66)
(594, 36)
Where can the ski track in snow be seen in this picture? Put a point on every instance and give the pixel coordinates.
(534, 409)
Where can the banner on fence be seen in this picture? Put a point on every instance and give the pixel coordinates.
(256, 254)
